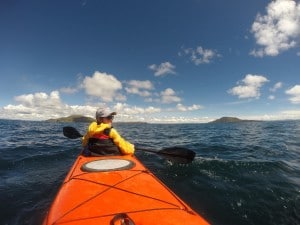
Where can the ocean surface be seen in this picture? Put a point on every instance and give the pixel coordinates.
(243, 173)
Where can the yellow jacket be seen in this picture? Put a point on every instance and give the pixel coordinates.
(124, 146)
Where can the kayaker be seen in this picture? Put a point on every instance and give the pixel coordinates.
(102, 139)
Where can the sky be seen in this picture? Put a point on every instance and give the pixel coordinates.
(172, 61)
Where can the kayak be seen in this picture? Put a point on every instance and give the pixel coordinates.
(117, 190)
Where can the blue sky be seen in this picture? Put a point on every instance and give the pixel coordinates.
(153, 61)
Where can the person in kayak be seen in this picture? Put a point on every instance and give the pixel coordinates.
(102, 139)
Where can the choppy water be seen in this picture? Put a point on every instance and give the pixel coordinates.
(244, 173)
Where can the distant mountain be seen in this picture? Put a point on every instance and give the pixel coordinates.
(231, 120)
(73, 118)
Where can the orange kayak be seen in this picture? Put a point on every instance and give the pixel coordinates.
(117, 190)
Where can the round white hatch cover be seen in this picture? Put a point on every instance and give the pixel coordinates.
(108, 165)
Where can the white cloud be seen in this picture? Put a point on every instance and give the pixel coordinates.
(163, 69)
(152, 109)
(277, 86)
(68, 90)
(279, 29)
(281, 115)
(200, 55)
(290, 114)
(133, 113)
(250, 87)
(40, 100)
(183, 108)
(103, 86)
(140, 88)
(295, 94)
(124, 108)
(37, 107)
(41, 106)
(169, 96)
(271, 97)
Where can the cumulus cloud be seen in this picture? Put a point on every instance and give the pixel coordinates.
(278, 30)
(141, 88)
(41, 106)
(134, 113)
(295, 94)
(249, 87)
(102, 85)
(163, 69)
(183, 108)
(199, 55)
(40, 99)
(169, 96)
(124, 108)
(140, 110)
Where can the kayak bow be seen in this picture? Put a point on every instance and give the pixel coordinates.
(116, 190)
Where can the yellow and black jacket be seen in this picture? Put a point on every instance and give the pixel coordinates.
(104, 139)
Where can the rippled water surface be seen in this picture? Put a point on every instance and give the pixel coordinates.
(244, 173)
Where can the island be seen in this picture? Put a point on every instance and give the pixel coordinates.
(231, 120)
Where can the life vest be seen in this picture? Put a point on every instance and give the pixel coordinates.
(102, 135)
(102, 144)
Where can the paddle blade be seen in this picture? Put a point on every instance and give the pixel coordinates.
(71, 132)
(178, 154)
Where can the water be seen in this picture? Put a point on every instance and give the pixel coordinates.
(244, 173)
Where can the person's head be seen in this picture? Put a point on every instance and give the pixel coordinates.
(104, 115)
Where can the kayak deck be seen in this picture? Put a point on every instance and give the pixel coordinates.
(99, 189)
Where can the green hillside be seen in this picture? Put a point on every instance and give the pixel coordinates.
(231, 120)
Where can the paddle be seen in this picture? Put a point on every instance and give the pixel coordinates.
(178, 154)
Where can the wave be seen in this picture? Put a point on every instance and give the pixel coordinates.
(243, 173)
